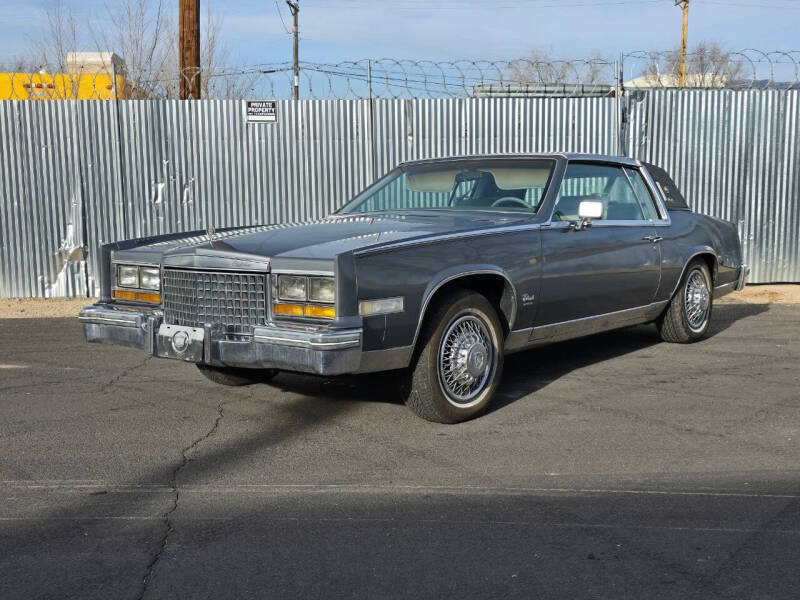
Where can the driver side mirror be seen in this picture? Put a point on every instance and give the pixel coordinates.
(588, 210)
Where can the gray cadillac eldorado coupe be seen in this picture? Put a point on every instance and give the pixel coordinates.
(440, 268)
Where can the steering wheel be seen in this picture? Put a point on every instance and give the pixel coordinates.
(510, 201)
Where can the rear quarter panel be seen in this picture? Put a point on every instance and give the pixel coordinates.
(690, 234)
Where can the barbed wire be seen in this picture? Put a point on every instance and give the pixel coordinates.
(715, 69)
(389, 78)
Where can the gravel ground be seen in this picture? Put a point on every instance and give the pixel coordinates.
(38, 308)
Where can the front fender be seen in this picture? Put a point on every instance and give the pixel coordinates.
(510, 297)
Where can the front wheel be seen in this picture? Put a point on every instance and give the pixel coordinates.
(460, 361)
(234, 376)
(687, 317)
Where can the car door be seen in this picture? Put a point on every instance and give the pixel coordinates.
(610, 266)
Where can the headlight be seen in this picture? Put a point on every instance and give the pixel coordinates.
(150, 278)
(291, 287)
(128, 276)
(321, 289)
(304, 296)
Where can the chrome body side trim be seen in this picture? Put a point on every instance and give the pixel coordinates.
(556, 332)
(599, 223)
(386, 360)
(733, 286)
(724, 290)
(517, 340)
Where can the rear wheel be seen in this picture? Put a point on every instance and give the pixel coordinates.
(235, 376)
(687, 317)
(460, 360)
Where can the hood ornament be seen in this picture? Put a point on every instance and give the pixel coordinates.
(210, 233)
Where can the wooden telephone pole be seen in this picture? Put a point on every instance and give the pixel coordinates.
(189, 48)
(684, 4)
(295, 8)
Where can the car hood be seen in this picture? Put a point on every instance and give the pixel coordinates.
(313, 240)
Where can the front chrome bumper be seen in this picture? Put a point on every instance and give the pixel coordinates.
(307, 350)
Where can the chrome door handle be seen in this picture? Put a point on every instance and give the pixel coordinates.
(653, 238)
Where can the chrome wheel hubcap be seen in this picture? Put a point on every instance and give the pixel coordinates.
(696, 300)
(465, 361)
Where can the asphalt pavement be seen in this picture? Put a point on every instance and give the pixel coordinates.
(615, 466)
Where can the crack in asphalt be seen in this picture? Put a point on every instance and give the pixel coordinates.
(123, 373)
(173, 486)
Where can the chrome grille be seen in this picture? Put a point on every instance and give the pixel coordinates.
(232, 302)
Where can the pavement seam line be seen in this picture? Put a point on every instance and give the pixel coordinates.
(173, 486)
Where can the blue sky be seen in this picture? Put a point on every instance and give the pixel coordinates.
(450, 29)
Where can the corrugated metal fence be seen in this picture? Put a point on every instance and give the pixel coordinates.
(82, 173)
(735, 155)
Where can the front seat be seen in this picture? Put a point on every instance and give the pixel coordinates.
(623, 211)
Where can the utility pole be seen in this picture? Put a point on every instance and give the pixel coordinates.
(295, 8)
(189, 50)
(684, 4)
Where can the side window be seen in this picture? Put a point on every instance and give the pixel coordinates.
(643, 192)
(622, 202)
(602, 183)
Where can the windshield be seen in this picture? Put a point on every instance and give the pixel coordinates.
(497, 187)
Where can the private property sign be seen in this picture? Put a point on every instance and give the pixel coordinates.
(261, 111)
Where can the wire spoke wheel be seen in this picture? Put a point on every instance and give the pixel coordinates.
(459, 360)
(465, 359)
(696, 300)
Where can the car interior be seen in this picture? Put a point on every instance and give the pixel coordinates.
(502, 188)
(607, 185)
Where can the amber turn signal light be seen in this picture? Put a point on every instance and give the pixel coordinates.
(293, 310)
(324, 312)
(308, 310)
(148, 297)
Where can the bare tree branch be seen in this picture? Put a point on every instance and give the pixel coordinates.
(707, 65)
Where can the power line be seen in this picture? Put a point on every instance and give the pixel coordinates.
(278, 8)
